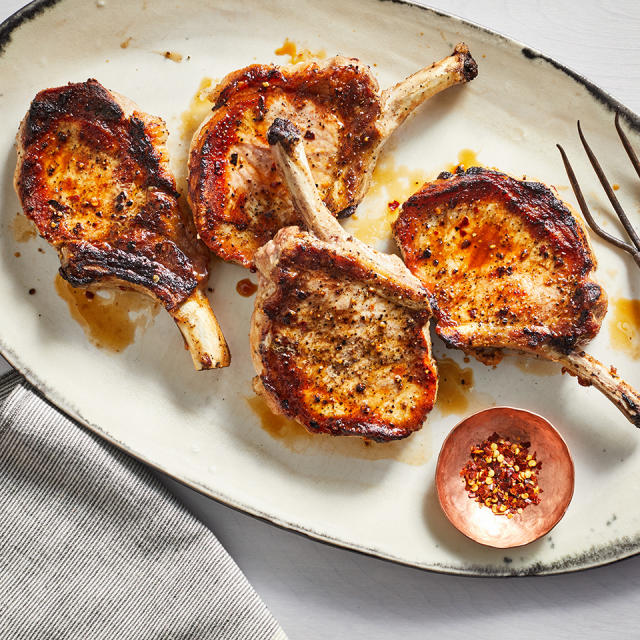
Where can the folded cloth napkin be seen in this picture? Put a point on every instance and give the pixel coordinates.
(93, 546)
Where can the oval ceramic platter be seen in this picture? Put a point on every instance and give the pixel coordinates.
(206, 429)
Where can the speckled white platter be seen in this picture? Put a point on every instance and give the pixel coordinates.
(198, 427)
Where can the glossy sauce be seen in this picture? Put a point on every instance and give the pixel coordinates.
(246, 288)
(109, 318)
(466, 158)
(390, 186)
(23, 229)
(624, 326)
(454, 382)
(414, 450)
(289, 48)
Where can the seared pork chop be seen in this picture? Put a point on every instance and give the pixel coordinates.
(93, 174)
(339, 334)
(509, 266)
(239, 200)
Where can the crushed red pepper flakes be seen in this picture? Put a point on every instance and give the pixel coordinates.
(502, 475)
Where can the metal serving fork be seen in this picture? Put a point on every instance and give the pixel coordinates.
(632, 248)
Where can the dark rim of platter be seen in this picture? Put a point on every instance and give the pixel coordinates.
(606, 554)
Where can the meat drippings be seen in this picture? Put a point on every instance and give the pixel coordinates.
(190, 119)
(414, 451)
(296, 55)
(391, 185)
(454, 382)
(174, 56)
(466, 158)
(110, 318)
(246, 288)
(23, 229)
(624, 326)
(198, 109)
(456, 394)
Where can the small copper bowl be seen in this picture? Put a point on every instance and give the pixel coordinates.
(556, 478)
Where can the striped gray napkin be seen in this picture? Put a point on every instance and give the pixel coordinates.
(92, 546)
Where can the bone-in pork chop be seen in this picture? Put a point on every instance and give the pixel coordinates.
(239, 199)
(340, 338)
(509, 266)
(93, 175)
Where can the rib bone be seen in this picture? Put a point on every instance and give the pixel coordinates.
(201, 332)
(292, 162)
(401, 100)
(590, 371)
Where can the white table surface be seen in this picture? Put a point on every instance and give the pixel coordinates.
(317, 591)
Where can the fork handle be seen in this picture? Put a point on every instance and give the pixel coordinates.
(590, 371)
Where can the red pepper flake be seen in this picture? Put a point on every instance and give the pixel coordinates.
(393, 205)
(502, 475)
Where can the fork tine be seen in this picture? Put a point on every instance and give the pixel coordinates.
(625, 246)
(627, 145)
(609, 191)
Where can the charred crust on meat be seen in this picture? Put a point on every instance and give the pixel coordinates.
(336, 265)
(284, 132)
(82, 100)
(633, 408)
(146, 156)
(308, 339)
(260, 109)
(469, 65)
(89, 264)
(362, 425)
(536, 203)
(564, 343)
(347, 212)
(76, 146)
(255, 75)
